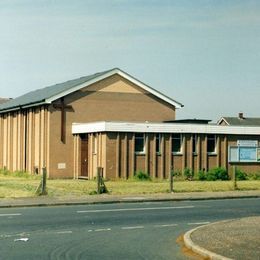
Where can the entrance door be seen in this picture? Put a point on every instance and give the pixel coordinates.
(84, 156)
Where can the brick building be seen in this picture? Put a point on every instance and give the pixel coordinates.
(112, 120)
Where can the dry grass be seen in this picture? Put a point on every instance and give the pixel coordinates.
(11, 186)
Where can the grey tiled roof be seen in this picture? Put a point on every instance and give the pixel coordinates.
(40, 95)
(246, 121)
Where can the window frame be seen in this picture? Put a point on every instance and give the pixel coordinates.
(180, 140)
(215, 144)
(143, 137)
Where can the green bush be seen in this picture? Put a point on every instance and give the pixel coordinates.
(201, 175)
(217, 173)
(214, 174)
(254, 176)
(4, 172)
(240, 175)
(188, 173)
(211, 175)
(142, 176)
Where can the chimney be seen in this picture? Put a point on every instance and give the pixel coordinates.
(241, 115)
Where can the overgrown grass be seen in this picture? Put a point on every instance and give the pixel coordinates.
(25, 185)
(19, 174)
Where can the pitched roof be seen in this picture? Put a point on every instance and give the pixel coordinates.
(236, 121)
(49, 94)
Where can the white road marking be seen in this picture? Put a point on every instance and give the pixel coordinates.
(133, 209)
(14, 235)
(64, 232)
(137, 227)
(199, 223)
(102, 229)
(166, 225)
(10, 214)
(24, 239)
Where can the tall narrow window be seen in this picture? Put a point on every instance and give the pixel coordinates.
(194, 143)
(158, 143)
(139, 143)
(211, 143)
(94, 143)
(176, 143)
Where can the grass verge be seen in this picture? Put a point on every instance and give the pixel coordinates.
(14, 186)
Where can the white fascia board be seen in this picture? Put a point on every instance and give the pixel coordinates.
(95, 127)
(34, 105)
(222, 119)
(162, 128)
(9, 110)
(124, 75)
(22, 107)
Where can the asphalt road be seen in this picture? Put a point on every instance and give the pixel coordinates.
(110, 231)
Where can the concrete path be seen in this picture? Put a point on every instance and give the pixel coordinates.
(232, 239)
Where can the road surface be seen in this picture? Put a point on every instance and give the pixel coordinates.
(110, 231)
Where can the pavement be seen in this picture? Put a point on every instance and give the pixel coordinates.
(232, 239)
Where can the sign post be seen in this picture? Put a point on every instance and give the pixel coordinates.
(171, 180)
(234, 178)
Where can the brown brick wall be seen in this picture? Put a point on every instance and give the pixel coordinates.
(159, 165)
(98, 102)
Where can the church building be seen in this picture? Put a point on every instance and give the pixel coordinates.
(112, 120)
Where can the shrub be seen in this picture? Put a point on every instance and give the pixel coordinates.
(201, 175)
(188, 173)
(211, 175)
(142, 176)
(255, 176)
(4, 172)
(240, 175)
(217, 173)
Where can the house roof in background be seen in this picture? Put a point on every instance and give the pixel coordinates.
(236, 121)
(49, 94)
(4, 100)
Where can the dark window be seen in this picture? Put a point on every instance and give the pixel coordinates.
(139, 143)
(176, 143)
(211, 143)
(194, 143)
(158, 143)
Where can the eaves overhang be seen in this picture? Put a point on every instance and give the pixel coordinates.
(103, 126)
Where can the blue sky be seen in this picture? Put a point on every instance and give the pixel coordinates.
(205, 54)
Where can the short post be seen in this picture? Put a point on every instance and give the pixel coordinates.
(234, 178)
(99, 176)
(101, 187)
(42, 188)
(171, 180)
(44, 178)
